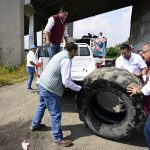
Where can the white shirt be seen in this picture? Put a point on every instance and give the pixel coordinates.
(134, 65)
(65, 65)
(51, 23)
(146, 89)
(30, 57)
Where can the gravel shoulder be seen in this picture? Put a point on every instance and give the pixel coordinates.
(17, 107)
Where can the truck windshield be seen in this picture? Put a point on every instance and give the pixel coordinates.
(84, 51)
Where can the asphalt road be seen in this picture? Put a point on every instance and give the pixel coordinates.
(17, 107)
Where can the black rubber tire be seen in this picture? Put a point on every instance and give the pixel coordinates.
(115, 81)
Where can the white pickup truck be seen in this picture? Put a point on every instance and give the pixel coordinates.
(82, 64)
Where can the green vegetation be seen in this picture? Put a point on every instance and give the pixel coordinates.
(10, 74)
(112, 52)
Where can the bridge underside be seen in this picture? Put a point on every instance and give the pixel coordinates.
(12, 22)
(77, 9)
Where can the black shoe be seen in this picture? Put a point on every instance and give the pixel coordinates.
(36, 128)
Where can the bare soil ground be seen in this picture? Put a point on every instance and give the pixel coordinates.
(17, 107)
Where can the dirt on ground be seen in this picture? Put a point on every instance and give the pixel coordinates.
(17, 108)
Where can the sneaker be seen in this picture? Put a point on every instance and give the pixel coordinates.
(63, 143)
(36, 128)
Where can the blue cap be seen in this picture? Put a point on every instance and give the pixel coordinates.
(32, 46)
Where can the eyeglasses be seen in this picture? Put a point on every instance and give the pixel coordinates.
(145, 51)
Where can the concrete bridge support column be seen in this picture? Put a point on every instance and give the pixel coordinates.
(140, 24)
(32, 32)
(11, 32)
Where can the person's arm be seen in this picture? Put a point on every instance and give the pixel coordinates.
(137, 90)
(32, 60)
(117, 63)
(47, 38)
(66, 35)
(47, 29)
(143, 73)
(134, 90)
(142, 66)
(146, 89)
(66, 75)
(32, 63)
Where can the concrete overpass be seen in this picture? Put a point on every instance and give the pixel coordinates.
(38, 11)
(78, 9)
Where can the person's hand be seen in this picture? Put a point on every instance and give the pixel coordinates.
(84, 89)
(133, 90)
(47, 44)
(35, 65)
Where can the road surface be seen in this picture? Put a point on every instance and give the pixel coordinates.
(17, 107)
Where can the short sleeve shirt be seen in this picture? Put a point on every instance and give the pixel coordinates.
(133, 65)
(146, 89)
(30, 57)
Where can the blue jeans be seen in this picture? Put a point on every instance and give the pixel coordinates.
(52, 102)
(147, 131)
(30, 71)
(53, 49)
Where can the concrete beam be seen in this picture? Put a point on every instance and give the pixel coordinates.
(11, 32)
(27, 2)
(140, 24)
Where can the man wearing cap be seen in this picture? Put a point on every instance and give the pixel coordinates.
(55, 29)
(31, 64)
(132, 62)
(145, 90)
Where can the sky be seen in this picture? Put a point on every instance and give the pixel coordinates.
(115, 25)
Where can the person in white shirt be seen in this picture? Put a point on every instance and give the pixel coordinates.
(55, 77)
(132, 62)
(55, 29)
(146, 91)
(31, 64)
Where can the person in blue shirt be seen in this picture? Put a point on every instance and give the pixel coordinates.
(99, 49)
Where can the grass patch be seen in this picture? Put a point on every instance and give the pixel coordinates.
(10, 74)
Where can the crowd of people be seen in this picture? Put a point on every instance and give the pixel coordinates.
(57, 74)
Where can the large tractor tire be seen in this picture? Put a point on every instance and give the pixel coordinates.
(107, 109)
